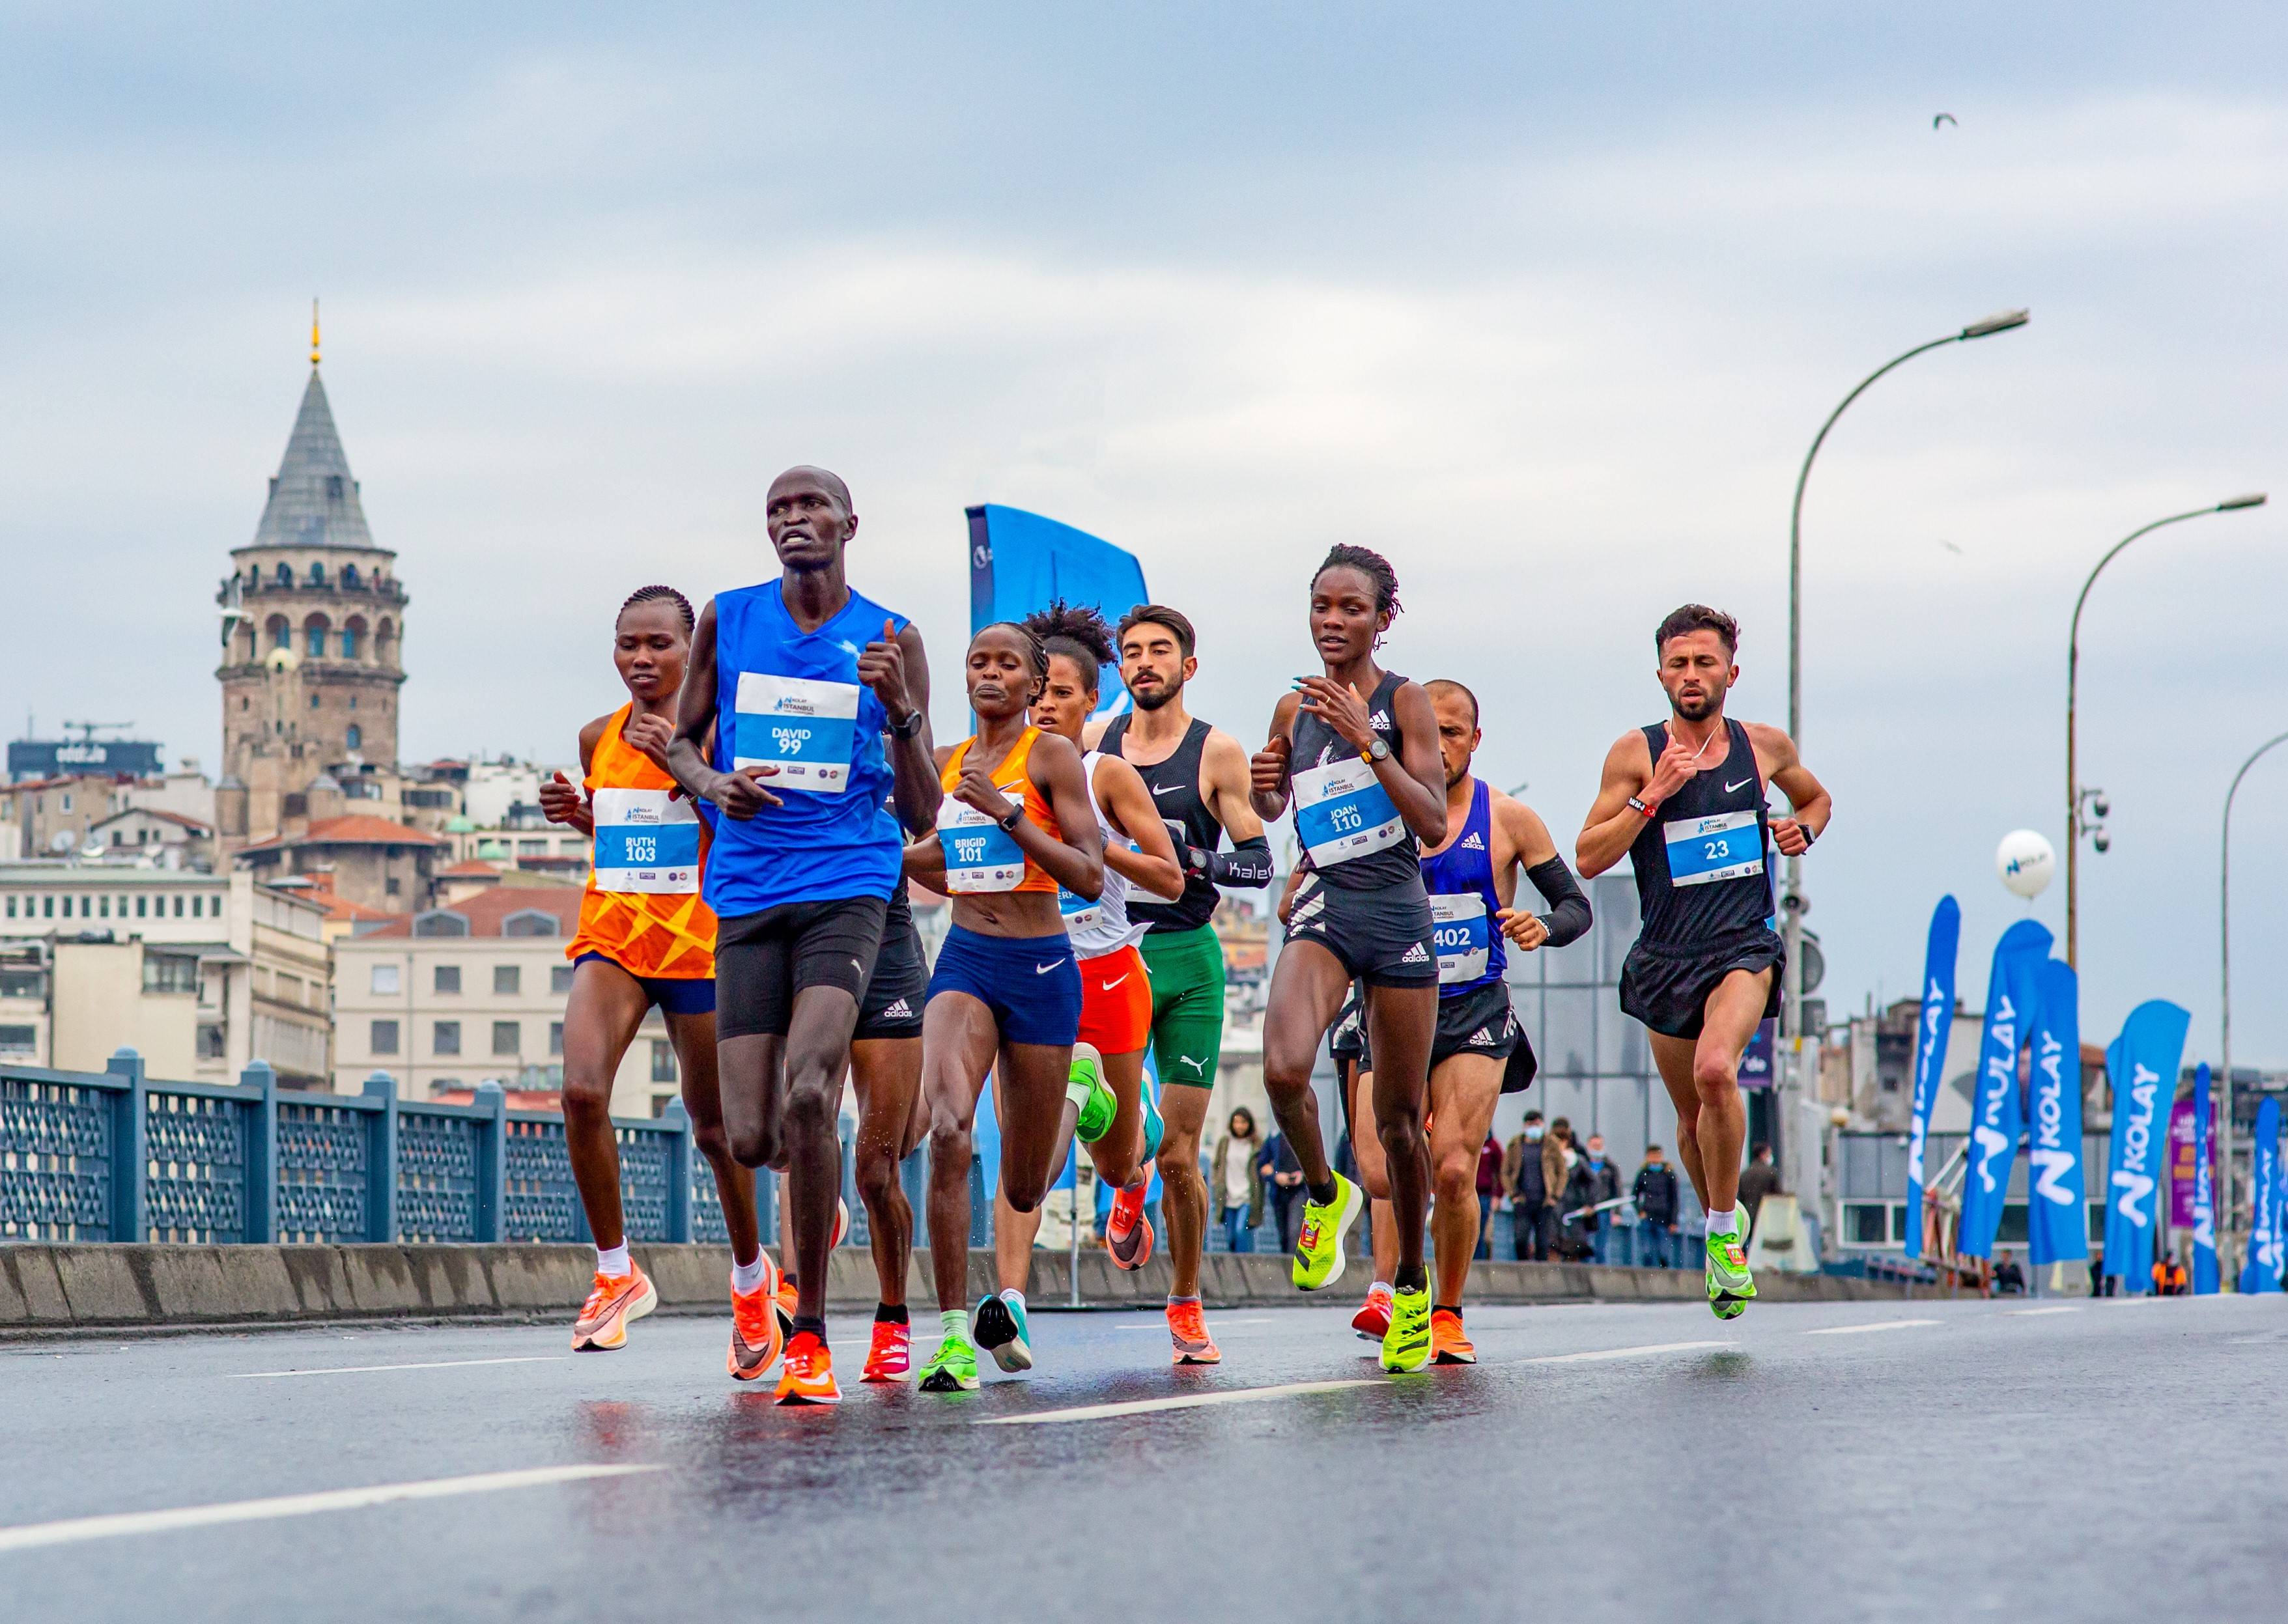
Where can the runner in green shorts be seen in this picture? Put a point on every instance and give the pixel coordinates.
(1198, 776)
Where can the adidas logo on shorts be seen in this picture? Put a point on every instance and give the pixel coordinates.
(1415, 955)
(1480, 1039)
(1471, 843)
(899, 1011)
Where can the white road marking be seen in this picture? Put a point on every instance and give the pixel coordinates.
(72, 1530)
(1188, 1401)
(359, 1370)
(2028, 1313)
(1620, 1353)
(1880, 1325)
(1220, 1325)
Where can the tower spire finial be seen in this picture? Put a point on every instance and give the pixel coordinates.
(314, 332)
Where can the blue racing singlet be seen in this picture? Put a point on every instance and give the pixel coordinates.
(792, 699)
(1463, 906)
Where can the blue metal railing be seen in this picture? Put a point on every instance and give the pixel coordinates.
(117, 1156)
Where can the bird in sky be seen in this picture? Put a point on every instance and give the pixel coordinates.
(1951, 548)
(1945, 118)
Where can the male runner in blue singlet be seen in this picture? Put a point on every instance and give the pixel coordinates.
(798, 682)
(1683, 801)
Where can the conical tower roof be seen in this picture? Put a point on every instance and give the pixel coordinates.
(313, 501)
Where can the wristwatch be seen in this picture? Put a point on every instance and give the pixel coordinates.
(1636, 805)
(1008, 825)
(910, 725)
(1377, 749)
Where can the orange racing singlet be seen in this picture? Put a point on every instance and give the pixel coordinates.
(980, 855)
(642, 910)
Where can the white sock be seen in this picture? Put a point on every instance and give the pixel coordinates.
(954, 1323)
(1010, 1294)
(1724, 1223)
(614, 1265)
(746, 1277)
(1381, 1285)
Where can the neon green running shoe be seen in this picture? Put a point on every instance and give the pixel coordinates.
(1319, 1256)
(1730, 1284)
(1086, 1088)
(1406, 1345)
(999, 1326)
(952, 1368)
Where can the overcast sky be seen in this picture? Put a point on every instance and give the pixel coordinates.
(1546, 308)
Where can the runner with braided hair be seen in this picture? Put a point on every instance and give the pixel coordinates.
(645, 940)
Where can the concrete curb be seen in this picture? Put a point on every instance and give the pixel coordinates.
(62, 1288)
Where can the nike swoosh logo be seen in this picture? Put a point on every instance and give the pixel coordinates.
(1165, 788)
(1043, 969)
(1742, 784)
(1117, 980)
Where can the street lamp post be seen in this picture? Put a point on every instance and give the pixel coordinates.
(2224, 990)
(1794, 905)
(2075, 794)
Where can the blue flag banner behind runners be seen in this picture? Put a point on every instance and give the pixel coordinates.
(2057, 1199)
(2142, 1065)
(2263, 1271)
(1995, 1117)
(2204, 1255)
(1021, 563)
(1930, 1051)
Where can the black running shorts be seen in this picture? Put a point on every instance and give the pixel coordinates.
(1667, 989)
(1478, 1022)
(763, 960)
(895, 992)
(1381, 936)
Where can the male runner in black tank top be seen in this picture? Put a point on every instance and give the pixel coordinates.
(1198, 777)
(1684, 800)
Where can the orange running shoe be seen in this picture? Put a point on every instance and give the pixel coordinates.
(1187, 1329)
(757, 1337)
(808, 1376)
(612, 1302)
(1128, 1233)
(1373, 1319)
(1448, 1345)
(892, 1355)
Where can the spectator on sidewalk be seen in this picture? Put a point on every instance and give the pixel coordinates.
(2009, 1280)
(1559, 1160)
(1530, 1216)
(1602, 1180)
(1239, 1194)
(1280, 1177)
(1655, 1192)
(1490, 1187)
(1757, 1180)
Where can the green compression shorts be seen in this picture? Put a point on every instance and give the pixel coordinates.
(1186, 968)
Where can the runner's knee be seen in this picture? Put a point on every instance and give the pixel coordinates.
(1714, 1077)
(753, 1144)
(1456, 1171)
(714, 1142)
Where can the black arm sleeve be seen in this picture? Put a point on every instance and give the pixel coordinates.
(1567, 918)
(1247, 866)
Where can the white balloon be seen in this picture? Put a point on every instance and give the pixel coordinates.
(2026, 861)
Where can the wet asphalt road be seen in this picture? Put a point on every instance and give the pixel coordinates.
(2116, 1461)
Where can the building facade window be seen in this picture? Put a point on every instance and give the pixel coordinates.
(19, 1040)
(506, 1037)
(385, 979)
(314, 645)
(384, 1037)
(349, 642)
(560, 979)
(662, 1060)
(445, 1038)
(142, 907)
(508, 980)
(555, 1040)
(445, 979)
(355, 738)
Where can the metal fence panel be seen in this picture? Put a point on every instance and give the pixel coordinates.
(55, 1158)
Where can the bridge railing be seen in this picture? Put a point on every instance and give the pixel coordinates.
(115, 1155)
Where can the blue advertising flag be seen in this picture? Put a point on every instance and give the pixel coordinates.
(2142, 1063)
(2057, 1197)
(1995, 1116)
(1930, 1051)
(1020, 562)
(2263, 1271)
(2204, 1252)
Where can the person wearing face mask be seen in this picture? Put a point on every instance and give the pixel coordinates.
(1655, 1192)
(1529, 1192)
(1596, 1181)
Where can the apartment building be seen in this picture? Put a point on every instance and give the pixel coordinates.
(475, 992)
(199, 973)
